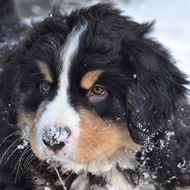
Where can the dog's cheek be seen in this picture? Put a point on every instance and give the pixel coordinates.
(100, 139)
(25, 120)
(30, 121)
(36, 144)
(26, 123)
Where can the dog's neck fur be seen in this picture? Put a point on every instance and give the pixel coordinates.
(108, 169)
(118, 171)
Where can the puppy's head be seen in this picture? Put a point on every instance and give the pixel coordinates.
(89, 85)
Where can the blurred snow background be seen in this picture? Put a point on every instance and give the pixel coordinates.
(172, 20)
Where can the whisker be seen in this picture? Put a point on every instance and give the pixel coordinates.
(30, 160)
(27, 160)
(18, 164)
(20, 159)
(16, 174)
(11, 155)
(5, 138)
(9, 149)
(39, 164)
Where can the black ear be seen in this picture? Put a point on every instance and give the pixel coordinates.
(157, 87)
(7, 86)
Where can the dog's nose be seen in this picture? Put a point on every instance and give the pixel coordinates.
(55, 138)
(55, 147)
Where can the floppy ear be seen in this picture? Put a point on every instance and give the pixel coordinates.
(7, 84)
(157, 87)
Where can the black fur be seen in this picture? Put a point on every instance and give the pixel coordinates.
(140, 74)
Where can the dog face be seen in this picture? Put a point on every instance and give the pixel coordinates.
(89, 85)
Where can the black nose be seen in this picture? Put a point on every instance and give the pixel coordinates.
(54, 147)
(55, 138)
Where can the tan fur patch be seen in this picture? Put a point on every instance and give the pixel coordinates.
(31, 120)
(89, 79)
(45, 71)
(100, 139)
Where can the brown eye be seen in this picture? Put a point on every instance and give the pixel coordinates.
(44, 86)
(97, 90)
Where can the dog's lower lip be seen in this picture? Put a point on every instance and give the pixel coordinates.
(64, 153)
(49, 152)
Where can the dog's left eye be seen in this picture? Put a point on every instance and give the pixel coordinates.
(97, 90)
(44, 86)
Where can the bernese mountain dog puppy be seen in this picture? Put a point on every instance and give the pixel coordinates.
(90, 102)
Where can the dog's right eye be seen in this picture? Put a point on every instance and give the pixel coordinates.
(44, 87)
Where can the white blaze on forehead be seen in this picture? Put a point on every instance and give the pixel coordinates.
(59, 111)
(69, 51)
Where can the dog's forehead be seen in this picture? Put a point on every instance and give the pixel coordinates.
(80, 49)
(70, 50)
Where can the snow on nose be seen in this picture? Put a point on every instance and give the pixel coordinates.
(55, 138)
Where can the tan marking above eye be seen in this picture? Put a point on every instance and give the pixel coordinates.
(45, 71)
(89, 79)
